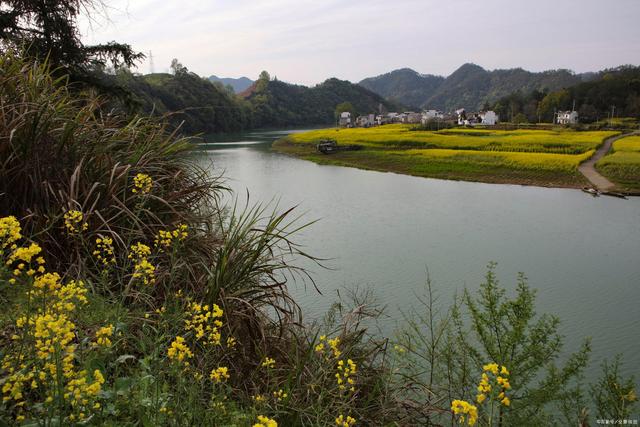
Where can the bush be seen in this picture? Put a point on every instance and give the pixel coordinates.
(132, 295)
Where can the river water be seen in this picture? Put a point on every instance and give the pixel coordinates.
(383, 231)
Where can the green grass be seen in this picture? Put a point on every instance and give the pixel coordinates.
(622, 165)
(532, 157)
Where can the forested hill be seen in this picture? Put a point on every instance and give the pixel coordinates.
(404, 85)
(610, 92)
(202, 106)
(276, 103)
(470, 86)
(198, 104)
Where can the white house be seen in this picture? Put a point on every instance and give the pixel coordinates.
(345, 119)
(429, 115)
(567, 117)
(462, 116)
(366, 121)
(488, 118)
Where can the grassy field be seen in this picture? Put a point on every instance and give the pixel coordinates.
(531, 157)
(622, 165)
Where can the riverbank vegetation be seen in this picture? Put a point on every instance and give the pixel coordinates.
(132, 296)
(533, 157)
(622, 164)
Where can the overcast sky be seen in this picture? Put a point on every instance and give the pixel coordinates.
(307, 42)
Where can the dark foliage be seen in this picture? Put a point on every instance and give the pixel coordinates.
(470, 86)
(48, 29)
(275, 103)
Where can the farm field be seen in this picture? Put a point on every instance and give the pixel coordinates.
(622, 164)
(530, 157)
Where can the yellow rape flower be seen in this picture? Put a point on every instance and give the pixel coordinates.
(220, 374)
(491, 367)
(268, 363)
(104, 251)
(265, 422)
(74, 221)
(343, 421)
(102, 336)
(279, 395)
(9, 232)
(179, 351)
(463, 408)
(142, 184)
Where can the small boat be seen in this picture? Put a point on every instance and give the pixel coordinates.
(328, 146)
(592, 191)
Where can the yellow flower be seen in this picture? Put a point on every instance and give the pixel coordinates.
(142, 184)
(462, 408)
(491, 367)
(74, 221)
(220, 374)
(268, 363)
(341, 421)
(203, 320)
(102, 336)
(104, 251)
(143, 269)
(9, 232)
(265, 422)
(505, 401)
(333, 344)
(481, 397)
(279, 395)
(165, 238)
(504, 371)
(179, 351)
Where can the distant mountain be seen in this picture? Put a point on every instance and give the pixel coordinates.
(238, 85)
(404, 85)
(276, 103)
(470, 86)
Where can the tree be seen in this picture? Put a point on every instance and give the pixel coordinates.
(263, 81)
(553, 102)
(520, 118)
(48, 29)
(614, 397)
(344, 107)
(508, 332)
(177, 68)
(444, 354)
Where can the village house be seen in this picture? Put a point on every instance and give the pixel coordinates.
(489, 118)
(429, 115)
(345, 119)
(567, 117)
(366, 121)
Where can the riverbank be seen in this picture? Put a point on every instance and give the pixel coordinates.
(546, 158)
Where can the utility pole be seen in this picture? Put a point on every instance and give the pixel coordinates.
(151, 67)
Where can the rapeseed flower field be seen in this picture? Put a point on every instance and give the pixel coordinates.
(536, 157)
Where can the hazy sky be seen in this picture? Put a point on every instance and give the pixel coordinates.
(306, 42)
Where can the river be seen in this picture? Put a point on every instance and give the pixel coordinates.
(383, 230)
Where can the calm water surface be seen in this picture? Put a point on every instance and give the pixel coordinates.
(383, 230)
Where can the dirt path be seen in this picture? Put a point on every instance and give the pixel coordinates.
(588, 168)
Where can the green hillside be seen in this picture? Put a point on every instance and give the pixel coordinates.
(470, 86)
(276, 103)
